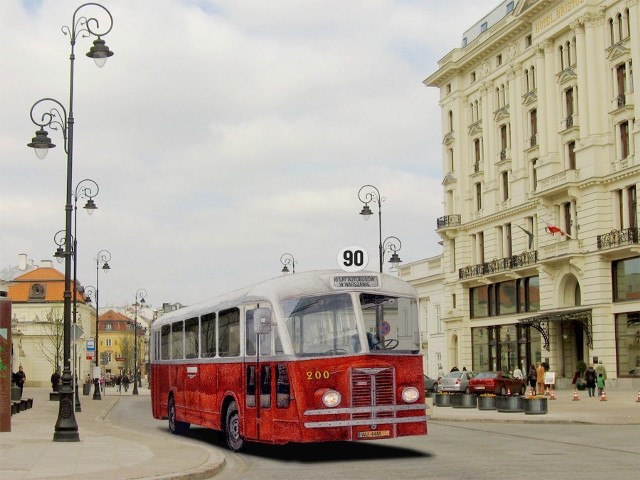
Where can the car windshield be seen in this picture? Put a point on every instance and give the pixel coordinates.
(454, 375)
(487, 375)
(322, 325)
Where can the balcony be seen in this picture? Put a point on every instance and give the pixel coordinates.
(449, 221)
(531, 142)
(498, 265)
(557, 182)
(618, 238)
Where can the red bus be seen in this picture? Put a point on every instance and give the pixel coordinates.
(309, 357)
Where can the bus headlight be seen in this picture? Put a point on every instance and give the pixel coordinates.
(410, 394)
(331, 398)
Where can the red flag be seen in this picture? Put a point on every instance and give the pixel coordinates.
(552, 229)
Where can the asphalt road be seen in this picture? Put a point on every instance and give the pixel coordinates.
(452, 450)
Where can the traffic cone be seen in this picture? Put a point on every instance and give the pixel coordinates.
(603, 398)
(575, 395)
(638, 399)
(508, 392)
(531, 394)
(553, 397)
(546, 393)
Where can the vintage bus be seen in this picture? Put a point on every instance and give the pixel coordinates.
(309, 357)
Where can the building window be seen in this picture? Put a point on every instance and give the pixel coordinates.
(571, 155)
(505, 186)
(483, 27)
(528, 40)
(499, 59)
(509, 7)
(505, 298)
(448, 88)
(438, 318)
(628, 344)
(108, 326)
(632, 206)
(108, 342)
(477, 151)
(534, 174)
(626, 279)
(473, 77)
(478, 197)
(624, 140)
(533, 126)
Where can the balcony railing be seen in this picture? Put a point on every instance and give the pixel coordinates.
(617, 238)
(498, 265)
(449, 221)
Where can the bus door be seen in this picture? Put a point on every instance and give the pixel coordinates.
(193, 373)
(258, 381)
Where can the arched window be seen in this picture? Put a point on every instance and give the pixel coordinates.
(450, 121)
(612, 39)
(533, 77)
(561, 55)
(620, 33)
(626, 14)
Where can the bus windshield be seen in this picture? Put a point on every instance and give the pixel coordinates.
(327, 325)
(322, 325)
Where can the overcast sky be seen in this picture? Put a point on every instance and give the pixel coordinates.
(224, 133)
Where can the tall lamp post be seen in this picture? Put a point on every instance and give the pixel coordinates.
(88, 189)
(140, 294)
(66, 428)
(287, 259)
(104, 257)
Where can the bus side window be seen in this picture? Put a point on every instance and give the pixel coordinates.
(265, 386)
(165, 337)
(191, 343)
(208, 335)
(229, 333)
(251, 386)
(250, 344)
(283, 388)
(177, 338)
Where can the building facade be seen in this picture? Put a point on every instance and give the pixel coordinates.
(427, 276)
(116, 341)
(541, 125)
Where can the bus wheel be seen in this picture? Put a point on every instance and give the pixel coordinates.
(176, 427)
(234, 440)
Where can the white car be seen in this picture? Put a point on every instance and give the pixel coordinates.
(456, 382)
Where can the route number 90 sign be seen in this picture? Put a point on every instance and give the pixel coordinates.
(353, 259)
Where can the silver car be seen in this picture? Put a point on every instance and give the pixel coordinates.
(457, 382)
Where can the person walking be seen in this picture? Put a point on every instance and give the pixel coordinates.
(590, 378)
(540, 379)
(125, 382)
(517, 373)
(55, 381)
(532, 378)
(601, 370)
(600, 383)
(20, 377)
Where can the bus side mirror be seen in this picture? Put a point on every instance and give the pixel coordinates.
(262, 321)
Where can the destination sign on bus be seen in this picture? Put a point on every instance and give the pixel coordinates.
(355, 281)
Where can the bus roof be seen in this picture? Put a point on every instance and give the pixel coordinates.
(294, 285)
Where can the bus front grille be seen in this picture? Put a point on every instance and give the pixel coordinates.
(372, 387)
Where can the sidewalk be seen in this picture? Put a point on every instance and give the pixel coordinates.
(108, 452)
(620, 408)
(104, 452)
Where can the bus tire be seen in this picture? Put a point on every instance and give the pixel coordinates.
(175, 426)
(232, 428)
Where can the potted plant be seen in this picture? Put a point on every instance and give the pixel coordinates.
(442, 399)
(535, 405)
(464, 400)
(509, 404)
(487, 401)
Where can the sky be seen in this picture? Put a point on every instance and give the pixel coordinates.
(224, 134)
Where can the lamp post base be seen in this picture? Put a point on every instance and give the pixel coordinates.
(96, 391)
(77, 397)
(66, 429)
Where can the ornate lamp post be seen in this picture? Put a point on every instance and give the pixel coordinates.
(392, 244)
(104, 257)
(287, 259)
(66, 428)
(140, 294)
(88, 189)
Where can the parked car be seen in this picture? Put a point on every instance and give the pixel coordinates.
(457, 381)
(430, 384)
(499, 383)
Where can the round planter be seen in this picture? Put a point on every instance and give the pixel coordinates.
(535, 406)
(509, 404)
(442, 400)
(465, 400)
(486, 403)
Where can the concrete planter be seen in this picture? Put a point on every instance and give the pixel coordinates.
(535, 406)
(509, 404)
(487, 403)
(442, 400)
(466, 400)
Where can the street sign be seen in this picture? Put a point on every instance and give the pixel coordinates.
(353, 258)
(76, 333)
(91, 346)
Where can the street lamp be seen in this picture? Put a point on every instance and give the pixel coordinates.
(287, 259)
(88, 189)
(140, 294)
(66, 428)
(368, 194)
(104, 257)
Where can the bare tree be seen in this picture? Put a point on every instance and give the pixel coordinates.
(51, 340)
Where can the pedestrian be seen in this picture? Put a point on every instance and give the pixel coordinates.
(20, 377)
(540, 379)
(455, 369)
(590, 378)
(125, 382)
(600, 370)
(517, 373)
(55, 381)
(600, 383)
(119, 383)
(532, 378)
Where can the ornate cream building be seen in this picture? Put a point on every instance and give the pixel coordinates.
(541, 125)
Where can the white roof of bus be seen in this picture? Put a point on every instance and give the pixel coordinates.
(297, 284)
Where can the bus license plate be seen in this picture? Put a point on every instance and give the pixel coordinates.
(374, 434)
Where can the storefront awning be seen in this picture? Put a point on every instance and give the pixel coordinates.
(541, 322)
